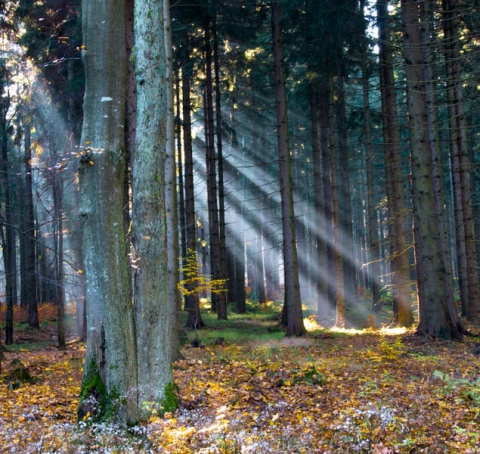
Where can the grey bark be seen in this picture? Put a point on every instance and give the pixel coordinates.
(171, 195)
(111, 353)
(151, 206)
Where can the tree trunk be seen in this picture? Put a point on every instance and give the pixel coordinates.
(57, 193)
(110, 372)
(395, 189)
(171, 196)
(152, 200)
(461, 166)
(192, 305)
(28, 232)
(222, 274)
(373, 250)
(7, 230)
(345, 231)
(293, 303)
(320, 273)
(219, 302)
(437, 316)
(327, 145)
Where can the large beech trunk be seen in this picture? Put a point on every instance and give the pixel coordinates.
(109, 384)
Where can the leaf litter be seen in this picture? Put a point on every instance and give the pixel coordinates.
(327, 394)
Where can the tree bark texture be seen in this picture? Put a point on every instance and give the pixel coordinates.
(437, 317)
(171, 194)
(150, 206)
(110, 375)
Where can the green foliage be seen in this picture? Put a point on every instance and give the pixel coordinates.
(194, 281)
(465, 389)
(387, 351)
(310, 375)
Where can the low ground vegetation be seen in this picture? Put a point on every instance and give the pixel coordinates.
(243, 388)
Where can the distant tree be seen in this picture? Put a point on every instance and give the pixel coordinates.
(192, 305)
(373, 274)
(28, 293)
(219, 302)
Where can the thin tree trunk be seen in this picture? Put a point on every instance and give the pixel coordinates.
(57, 189)
(171, 195)
(221, 186)
(192, 305)
(319, 274)
(345, 231)
(8, 233)
(28, 233)
(373, 256)
(327, 145)
(293, 304)
(219, 302)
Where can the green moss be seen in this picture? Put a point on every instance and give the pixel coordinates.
(158, 408)
(170, 401)
(95, 402)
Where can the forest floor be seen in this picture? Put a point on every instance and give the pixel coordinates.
(373, 391)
